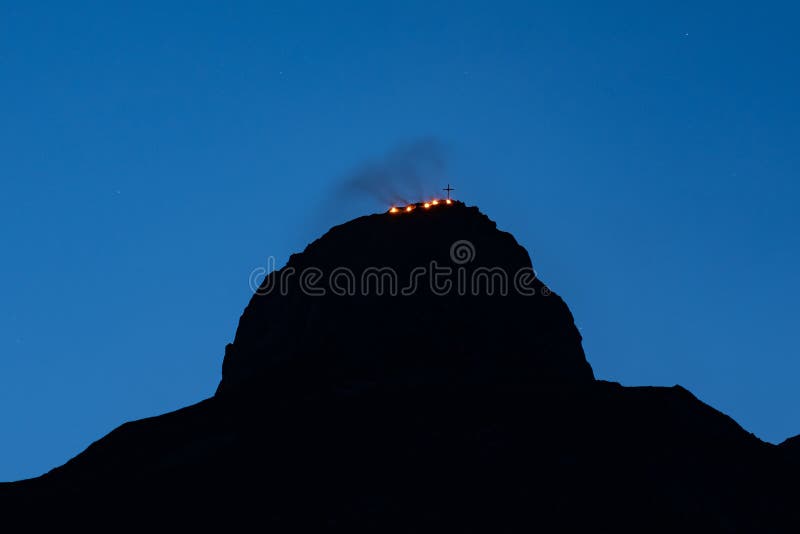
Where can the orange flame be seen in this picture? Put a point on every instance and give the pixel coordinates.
(412, 207)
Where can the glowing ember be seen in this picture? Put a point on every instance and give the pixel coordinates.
(425, 205)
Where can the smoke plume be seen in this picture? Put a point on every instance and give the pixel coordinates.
(408, 173)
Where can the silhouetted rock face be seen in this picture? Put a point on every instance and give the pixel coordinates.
(421, 413)
(431, 295)
(791, 448)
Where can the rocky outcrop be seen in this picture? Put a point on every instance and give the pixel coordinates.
(472, 412)
(437, 294)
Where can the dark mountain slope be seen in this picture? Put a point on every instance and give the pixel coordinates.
(471, 413)
(432, 334)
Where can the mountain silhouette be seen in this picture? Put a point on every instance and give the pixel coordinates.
(369, 330)
(409, 372)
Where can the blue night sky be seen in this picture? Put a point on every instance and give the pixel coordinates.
(153, 154)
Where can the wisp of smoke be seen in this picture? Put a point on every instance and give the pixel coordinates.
(409, 173)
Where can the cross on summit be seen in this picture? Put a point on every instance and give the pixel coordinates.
(448, 189)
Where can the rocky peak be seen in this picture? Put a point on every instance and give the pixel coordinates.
(421, 293)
